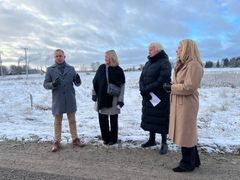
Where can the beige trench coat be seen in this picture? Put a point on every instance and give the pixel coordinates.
(184, 104)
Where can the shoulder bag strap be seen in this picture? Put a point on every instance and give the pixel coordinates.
(107, 74)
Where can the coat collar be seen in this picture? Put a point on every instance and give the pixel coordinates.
(158, 56)
(66, 69)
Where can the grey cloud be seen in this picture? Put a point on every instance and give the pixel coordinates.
(213, 49)
(209, 48)
(232, 6)
(15, 23)
(85, 29)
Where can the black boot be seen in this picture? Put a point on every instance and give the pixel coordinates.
(187, 164)
(179, 169)
(151, 141)
(164, 146)
(197, 159)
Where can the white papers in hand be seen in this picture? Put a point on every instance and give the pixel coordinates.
(155, 100)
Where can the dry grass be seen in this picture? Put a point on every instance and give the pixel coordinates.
(221, 79)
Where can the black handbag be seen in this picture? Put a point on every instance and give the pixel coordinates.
(112, 89)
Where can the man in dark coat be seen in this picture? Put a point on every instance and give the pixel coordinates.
(155, 117)
(60, 78)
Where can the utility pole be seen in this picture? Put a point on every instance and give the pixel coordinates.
(19, 60)
(26, 61)
(1, 63)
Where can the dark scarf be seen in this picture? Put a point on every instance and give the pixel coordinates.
(116, 76)
(61, 67)
(158, 56)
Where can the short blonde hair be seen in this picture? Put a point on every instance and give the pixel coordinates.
(157, 45)
(59, 50)
(189, 52)
(113, 57)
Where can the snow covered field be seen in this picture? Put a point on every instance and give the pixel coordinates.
(218, 119)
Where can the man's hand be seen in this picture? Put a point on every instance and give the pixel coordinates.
(56, 82)
(77, 79)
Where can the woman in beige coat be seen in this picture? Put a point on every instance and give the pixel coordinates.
(185, 103)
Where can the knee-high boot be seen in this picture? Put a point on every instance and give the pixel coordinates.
(188, 158)
(197, 159)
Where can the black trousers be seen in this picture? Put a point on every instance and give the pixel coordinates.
(108, 135)
(190, 158)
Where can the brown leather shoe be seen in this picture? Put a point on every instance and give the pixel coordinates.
(78, 143)
(55, 146)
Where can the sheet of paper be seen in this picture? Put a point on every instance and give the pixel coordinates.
(155, 100)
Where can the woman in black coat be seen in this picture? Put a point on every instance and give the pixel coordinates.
(108, 106)
(156, 72)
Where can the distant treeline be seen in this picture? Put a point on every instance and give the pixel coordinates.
(225, 62)
(15, 70)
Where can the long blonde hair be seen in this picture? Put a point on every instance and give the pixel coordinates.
(113, 58)
(189, 52)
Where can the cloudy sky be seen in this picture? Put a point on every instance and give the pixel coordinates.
(85, 29)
